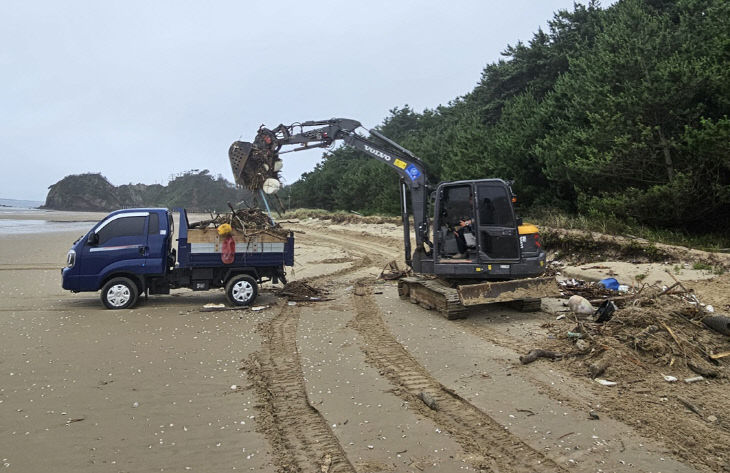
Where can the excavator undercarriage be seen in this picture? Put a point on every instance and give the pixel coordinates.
(452, 298)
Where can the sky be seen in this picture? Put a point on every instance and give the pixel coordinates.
(143, 90)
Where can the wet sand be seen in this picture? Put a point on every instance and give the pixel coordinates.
(87, 389)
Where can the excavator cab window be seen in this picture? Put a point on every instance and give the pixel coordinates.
(497, 228)
(456, 204)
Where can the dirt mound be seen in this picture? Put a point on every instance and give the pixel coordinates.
(579, 247)
(301, 291)
(342, 217)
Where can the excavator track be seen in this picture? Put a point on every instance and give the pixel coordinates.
(432, 294)
(524, 295)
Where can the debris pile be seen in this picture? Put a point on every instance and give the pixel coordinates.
(662, 332)
(301, 291)
(665, 327)
(589, 290)
(246, 220)
(391, 271)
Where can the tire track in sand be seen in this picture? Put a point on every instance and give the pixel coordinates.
(301, 439)
(493, 447)
(375, 247)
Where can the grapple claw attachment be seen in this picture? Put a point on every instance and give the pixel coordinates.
(238, 155)
(256, 165)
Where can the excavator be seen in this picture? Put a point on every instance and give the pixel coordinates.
(502, 259)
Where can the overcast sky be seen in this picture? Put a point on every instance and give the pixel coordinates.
(140, 90)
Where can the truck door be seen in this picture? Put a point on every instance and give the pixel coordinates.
(498, 238)
(120, 240)
(158, 243)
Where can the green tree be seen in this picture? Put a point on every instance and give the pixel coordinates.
(621, 111)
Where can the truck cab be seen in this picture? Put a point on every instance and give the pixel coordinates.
(134, 243)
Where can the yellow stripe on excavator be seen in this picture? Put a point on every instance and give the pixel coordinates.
(527, 229)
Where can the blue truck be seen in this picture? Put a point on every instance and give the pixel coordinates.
(130, 252)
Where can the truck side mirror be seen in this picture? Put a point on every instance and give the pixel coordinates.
(93, 239)
(519, 221)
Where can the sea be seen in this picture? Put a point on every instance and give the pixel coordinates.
(30, 219)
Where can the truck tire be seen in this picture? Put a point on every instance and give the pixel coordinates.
(119, 293)
(241, 290)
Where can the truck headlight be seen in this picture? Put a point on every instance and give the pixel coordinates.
(71, 259)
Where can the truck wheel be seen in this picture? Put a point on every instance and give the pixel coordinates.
(119, 293)
(241, 289)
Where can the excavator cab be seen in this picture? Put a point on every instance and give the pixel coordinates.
(496, 238)
(456, 205)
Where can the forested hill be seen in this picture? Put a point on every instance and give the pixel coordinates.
(194, 190)
(621, 112)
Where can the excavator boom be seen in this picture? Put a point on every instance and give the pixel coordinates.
(256, 165)
(255, 162)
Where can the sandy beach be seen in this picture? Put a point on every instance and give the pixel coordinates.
(86, 389)
(327, 386)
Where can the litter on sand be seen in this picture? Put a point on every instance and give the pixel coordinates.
(604, 382)
(580, 305)
(693, 379)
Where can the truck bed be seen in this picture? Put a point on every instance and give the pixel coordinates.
(201, 247)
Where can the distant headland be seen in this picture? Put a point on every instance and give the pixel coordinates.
(195, 190)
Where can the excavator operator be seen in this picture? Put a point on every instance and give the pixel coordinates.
(465, 224)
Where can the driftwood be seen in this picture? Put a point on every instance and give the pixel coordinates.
(640, 340)
(247, 221)
(301, 291)
(220, 309)
(238, 219)
(718, 323)
(690, 406)
(391, 271)
(596, 369)
(428, 400)
(674, 337)
(717, 356)
(707, 372)
(203, 223)
(538, 353)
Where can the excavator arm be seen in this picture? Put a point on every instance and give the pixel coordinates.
(257, 164)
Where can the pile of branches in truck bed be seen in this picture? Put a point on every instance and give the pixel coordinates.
(247, 221)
